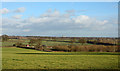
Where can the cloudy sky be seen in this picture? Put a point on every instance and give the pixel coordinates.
(74, 19)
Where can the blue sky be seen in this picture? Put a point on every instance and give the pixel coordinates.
(93, 8)
(79, 19)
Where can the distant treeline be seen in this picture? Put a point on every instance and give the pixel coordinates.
(47, 37)
(71, 48)
(87, 48)
(92, 40)
(37, 45)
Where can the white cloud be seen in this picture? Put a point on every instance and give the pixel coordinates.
(20, 10)
(17, 16)
(81, 19)
(56, 21)
(26, 30)
(4, 11)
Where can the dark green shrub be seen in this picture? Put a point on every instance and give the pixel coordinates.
(14, 44)
(61, 48)
(82, 40)
(73, 40)
(18, 44)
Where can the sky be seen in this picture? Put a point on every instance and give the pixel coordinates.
(70, 19)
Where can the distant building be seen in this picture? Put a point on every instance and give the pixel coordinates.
(27, 45)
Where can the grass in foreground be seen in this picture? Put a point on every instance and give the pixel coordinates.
(18, 58)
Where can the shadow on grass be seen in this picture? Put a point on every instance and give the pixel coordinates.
(89, 53)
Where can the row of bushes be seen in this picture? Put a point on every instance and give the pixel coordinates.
(86, 48)
(73, 48)
(18, 44)
(36, 47)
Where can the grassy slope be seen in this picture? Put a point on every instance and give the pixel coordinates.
(18, 58)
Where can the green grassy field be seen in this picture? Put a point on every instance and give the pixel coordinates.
(19, 58)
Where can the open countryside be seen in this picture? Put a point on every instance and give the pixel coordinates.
(59, 36)
(17, 55)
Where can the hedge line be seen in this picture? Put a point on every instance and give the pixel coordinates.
(86, 48)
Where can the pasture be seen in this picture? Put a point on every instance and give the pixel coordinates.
(19, 58)
(10, 42)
